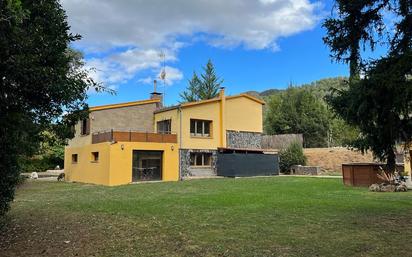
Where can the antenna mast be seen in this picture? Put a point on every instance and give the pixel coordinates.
(162, 75)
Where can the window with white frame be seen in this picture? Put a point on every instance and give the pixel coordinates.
(200, 128)
(164, 126)
(201, 159)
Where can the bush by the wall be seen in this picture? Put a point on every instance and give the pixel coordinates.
(292, 155)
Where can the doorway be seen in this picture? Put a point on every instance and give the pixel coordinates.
(147, 165)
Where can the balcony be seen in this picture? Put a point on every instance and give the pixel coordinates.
(132, 136)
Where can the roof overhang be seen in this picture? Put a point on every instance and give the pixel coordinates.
(121, 105)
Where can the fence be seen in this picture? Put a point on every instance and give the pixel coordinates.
(131, 136)
(280, 141)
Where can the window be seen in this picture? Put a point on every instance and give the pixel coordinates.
(85, 127)
(74, 158)
(95, 156)
(200, 128)
(201, 159)
(164, 126)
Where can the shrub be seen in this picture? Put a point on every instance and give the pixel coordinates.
(292, 155)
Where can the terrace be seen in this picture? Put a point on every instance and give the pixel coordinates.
(133, 136)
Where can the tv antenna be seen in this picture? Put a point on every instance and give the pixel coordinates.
(162, 75)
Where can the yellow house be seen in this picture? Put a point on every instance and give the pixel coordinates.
(138, 141)
(203, 127)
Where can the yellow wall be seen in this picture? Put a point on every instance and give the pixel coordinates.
(85, 170)
(407, 162)
(121, 160)
(243, 114)
(168, 115)
(115, 164)
(239, 114)
(207, 111)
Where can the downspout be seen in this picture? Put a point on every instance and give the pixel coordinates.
(180, 141)
(222, 117)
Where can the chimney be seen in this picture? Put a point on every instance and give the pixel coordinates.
(156, 95)
(222, 92)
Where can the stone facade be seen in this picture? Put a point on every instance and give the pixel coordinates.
(135, 118)
(187, 171)
(242, 139)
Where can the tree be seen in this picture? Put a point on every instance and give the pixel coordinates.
(380, 104)
(203, 88)
(354, 24)
(292, 155)
(192, 92)
(41, 80)
(341, 133)
(298, 111)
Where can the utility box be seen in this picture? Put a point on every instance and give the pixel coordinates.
(363, 174)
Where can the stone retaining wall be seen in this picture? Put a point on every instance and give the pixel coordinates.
(304, 170)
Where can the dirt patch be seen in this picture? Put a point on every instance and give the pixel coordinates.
(330, 159)
(45, 234)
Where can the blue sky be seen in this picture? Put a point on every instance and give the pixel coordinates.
(127, 58)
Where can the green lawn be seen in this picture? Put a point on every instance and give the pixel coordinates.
(279, 216)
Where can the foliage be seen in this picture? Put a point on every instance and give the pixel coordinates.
(49, 154)
(42, 79)
(192, 92)
(341, 133)
(203, 88)
(380, 103)
(298, 111)
(355, 23)
(292, 155)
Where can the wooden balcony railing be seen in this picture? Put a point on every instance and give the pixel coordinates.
(132, 136)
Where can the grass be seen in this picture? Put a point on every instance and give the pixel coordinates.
(279, 216)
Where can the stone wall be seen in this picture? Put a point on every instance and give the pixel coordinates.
(241, 139)
(304, 170)
(187, 171)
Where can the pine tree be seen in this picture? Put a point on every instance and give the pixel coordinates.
(354, 25)
(211, 83)
(203, 88)
(380, 104)
(192, 91)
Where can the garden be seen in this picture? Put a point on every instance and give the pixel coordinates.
(272, 216)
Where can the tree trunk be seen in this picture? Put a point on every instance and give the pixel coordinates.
(391, 161)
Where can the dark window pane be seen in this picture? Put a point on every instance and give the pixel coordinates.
(95, 156)
(192, 126)
(192, 159)
(164, 126)
(199, 160)
(207, 159)
(159, 127)
(207, 128)
(74, 158)
(199, 127)
(168, 126)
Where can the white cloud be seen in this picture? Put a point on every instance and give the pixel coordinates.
(172, 75)
(146, 26)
